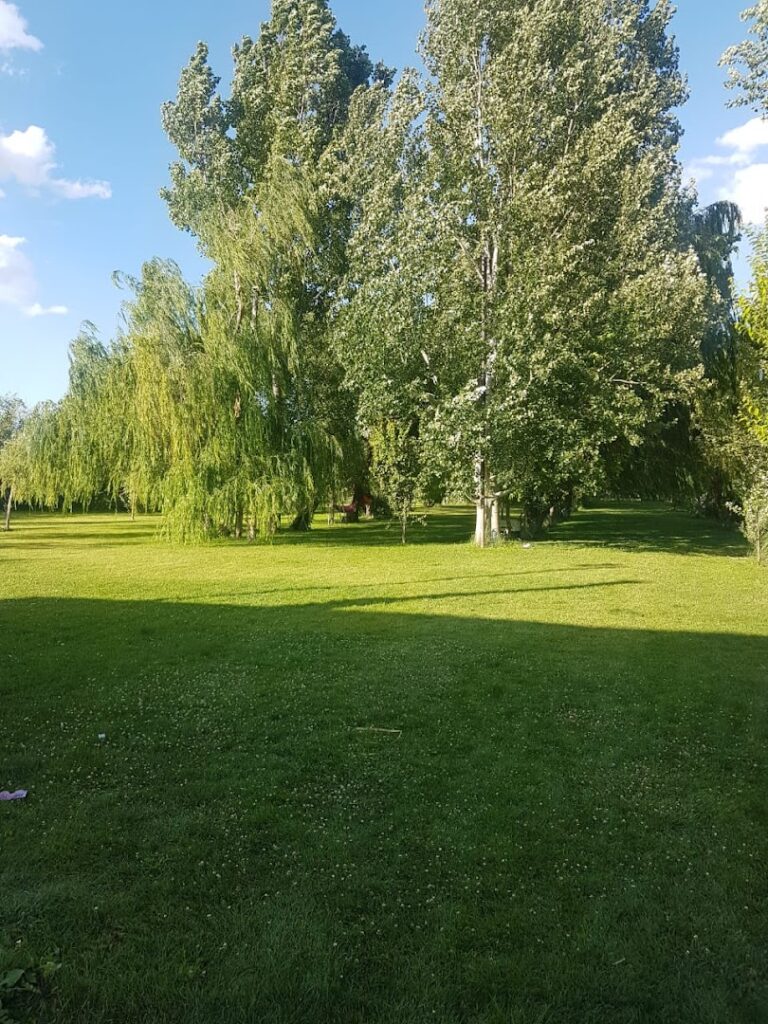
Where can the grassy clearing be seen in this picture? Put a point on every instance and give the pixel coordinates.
(570, 828)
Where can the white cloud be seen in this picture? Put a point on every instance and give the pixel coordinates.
(734, 160)
(748, 188)
(37, 310)
(28, 157)
(746, 138)
(13, 30)
(740, 175)
(81, 189)
(18, 285)
(17, 278)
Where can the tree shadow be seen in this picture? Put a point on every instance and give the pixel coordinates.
(328, 811)
(44, 531)
(628, 526)
(635, 526)
(441, 525)
(239, 595)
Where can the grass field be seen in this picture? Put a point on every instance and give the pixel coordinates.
(566, 823)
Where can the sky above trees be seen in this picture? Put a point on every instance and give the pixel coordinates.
(83, 155)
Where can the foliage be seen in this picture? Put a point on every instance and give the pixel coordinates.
(486, 280)
(715, 233)
(12, 413)
(527, 297)
(290, 94)
(28, 991)
(11, 417)
(752, 423)
(220, 405)
(395, 468)
(747, 62)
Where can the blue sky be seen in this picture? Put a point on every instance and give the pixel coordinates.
(82, 152)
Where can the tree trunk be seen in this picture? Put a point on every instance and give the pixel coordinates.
(8, 505)
(303, 521)
(239, 524)
(495, 523)
(481, 534)
(508, 515)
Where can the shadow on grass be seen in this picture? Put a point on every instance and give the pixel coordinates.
(560, 824)
(443, 525)
(651, 527)
(39, 534)
(239, 595)
(631, 526)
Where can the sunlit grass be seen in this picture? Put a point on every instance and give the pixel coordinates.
(345, 781)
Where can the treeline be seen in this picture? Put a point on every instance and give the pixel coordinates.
(487, 280)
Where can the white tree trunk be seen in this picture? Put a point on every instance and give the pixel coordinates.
(480, 533)
(481, 520)
(495, 522)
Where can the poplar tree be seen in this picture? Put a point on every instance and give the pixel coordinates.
(383, 319)
(747, 61)
(565, 303)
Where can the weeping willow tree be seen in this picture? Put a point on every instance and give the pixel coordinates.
(31, 463)
(241, 434)
(252, 183)
(220, 405)
(12, 413)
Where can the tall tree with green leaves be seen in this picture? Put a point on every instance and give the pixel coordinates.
(383, 318)
(747, 61)
(750, 437)
(11, 418)
(554, 143)
(686, 455)
(252, 183)
(547, 267)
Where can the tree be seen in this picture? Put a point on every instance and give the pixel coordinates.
(747, 61)
(382, 316)
(290, 96)
(547, 267)
(686, 455)
(716, 230)
(752, 424)
(31, 462)
(11, 418)
(253, 185)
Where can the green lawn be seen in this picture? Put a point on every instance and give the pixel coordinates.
(568, 823)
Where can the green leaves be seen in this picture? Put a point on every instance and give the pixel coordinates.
(521, 284)
(490, 278)
(747, 62)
